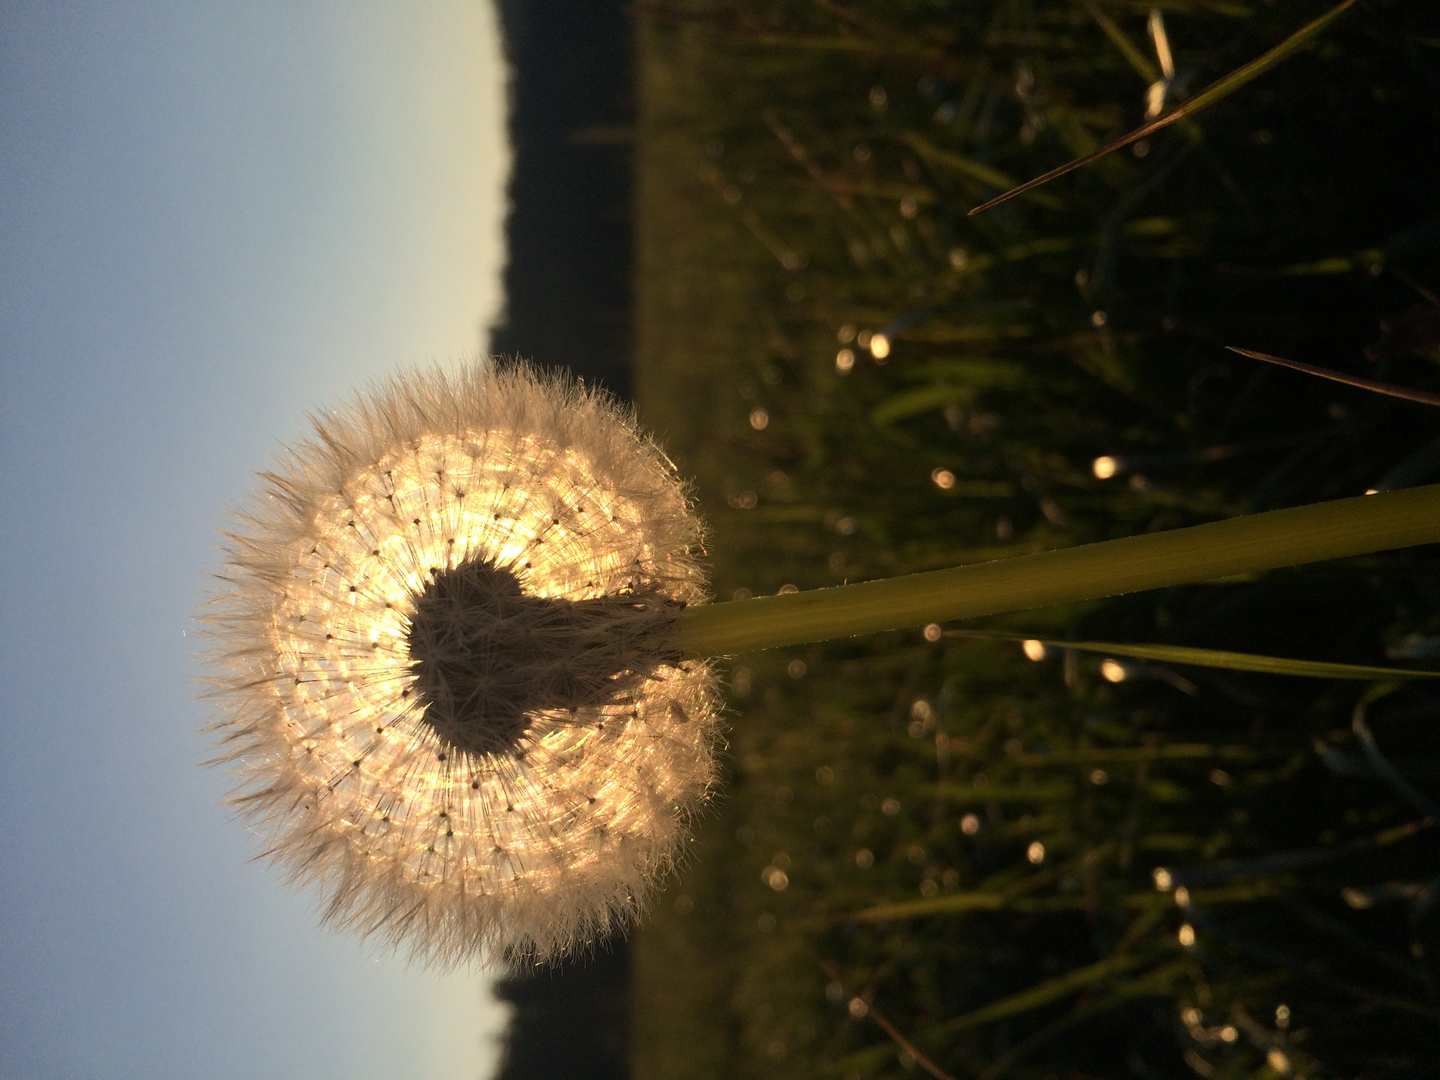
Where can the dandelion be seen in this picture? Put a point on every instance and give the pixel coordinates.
(464, 674)
(441, 659)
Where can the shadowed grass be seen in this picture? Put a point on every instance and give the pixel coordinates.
(1216, 91)
(948, 824)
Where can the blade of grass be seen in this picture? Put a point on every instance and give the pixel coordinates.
(966, 902)
(1207, 97)
(968, 167)
(1285, 862)
(1046, 992)
(1218, 658)
(1134, 754)
(1381, 763)
(996, 793)
(1132, 53)
(896, 1035)
(1154, 983)
(1389, 389)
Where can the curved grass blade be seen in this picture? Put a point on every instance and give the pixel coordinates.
(896, 1035)
(1218, 658)
(1207, 97)
(1381, 763)
(1389, 389)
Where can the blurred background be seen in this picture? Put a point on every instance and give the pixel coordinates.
(972, 851)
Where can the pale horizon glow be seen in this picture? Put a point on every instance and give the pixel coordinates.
(213, 219)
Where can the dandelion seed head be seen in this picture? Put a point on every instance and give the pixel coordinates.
(440, 659)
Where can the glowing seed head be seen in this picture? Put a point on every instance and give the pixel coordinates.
(441, 655)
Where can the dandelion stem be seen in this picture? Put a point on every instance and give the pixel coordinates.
(1258, 542)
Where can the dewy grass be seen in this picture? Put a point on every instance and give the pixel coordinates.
(1242, 545)
(793, 203)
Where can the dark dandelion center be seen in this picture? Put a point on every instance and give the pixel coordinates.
(488, 658)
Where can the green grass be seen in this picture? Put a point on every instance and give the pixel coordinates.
(785, 204)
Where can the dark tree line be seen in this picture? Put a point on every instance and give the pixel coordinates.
(568, 304)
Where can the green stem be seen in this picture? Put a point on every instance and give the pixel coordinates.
(1242, 545)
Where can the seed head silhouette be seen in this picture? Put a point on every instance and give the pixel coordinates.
(439, 654)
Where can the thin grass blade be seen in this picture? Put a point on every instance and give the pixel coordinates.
(1048, 991)
(1389, 389)
(1128, 49)
(1207, 97)
(1217, 658)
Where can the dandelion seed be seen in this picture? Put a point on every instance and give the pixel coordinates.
(435, 653)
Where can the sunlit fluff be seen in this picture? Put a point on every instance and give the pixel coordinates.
(448, 852)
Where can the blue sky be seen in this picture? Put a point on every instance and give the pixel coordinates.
(213, 218)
